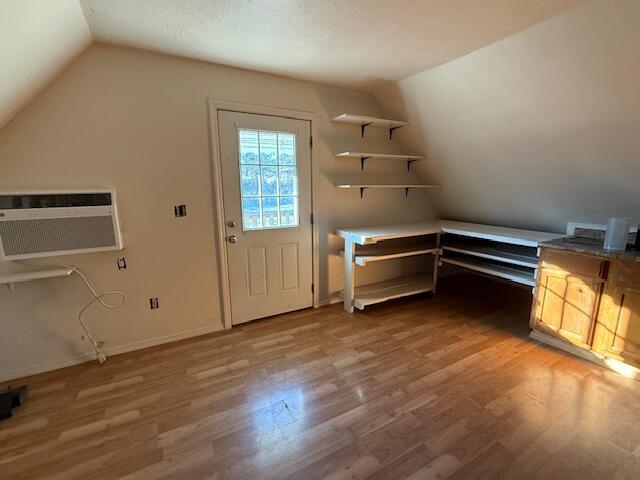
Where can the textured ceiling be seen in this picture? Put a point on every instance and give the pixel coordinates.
(37, 40)
(355, 43)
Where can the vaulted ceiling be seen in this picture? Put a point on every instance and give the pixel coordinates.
(37, 40)
(353, 43)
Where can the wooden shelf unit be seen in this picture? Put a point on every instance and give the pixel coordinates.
(506, 253)
(503, 252)
(367, 244)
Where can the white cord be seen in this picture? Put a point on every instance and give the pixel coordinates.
(97, 297)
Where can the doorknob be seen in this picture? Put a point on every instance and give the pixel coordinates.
(233, 239)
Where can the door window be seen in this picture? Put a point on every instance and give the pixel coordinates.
(268, 179)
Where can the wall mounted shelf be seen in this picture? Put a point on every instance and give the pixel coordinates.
(390, 156)
(12, 278)
(365, 121)
(406, 187)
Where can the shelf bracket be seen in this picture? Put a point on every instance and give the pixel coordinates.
(362, 159)
(391, 131)
(406, 191)
(409, 162)
(362, 191)
(362, 127)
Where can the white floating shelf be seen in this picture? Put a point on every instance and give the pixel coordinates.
(377, 253)
(371, 185)
(365, 121)
(379, 155)
(496, 253)
(396, 288)
(501, 271)
(29, 275)
(406, 187)
(390, 156)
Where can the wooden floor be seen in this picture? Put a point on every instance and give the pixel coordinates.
(426, 388)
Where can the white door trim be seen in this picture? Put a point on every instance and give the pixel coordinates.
(218, 202)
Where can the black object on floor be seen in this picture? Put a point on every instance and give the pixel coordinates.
(10, 399)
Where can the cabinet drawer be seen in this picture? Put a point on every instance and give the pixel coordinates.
(572, 263)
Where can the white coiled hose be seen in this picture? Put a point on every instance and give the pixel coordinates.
(97, 297)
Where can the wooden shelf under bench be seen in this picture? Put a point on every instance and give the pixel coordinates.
(391, 289)
(395, 248)
(502, 252)
(514, 274)
(364, 245)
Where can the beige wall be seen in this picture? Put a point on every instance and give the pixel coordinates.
(538, 129)
(138, 122)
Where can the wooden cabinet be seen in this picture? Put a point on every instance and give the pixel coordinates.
(590, 302)
(617, 332)
(567, 296)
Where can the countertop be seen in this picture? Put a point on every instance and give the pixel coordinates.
(589, 246)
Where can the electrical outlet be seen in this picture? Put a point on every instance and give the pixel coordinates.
(153, 303)
(180, 210)
(122, 264)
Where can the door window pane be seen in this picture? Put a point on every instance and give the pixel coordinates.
(251, 213)
(248, 146)
(268, 148)
(270, 212)
(286, 149)
(288, 181)
(288, 211)
(268, 179)
(250, 180)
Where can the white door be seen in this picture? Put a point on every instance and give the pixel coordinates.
(266, 177)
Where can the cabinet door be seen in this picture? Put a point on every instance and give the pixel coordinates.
(566, 305)
(618, 329)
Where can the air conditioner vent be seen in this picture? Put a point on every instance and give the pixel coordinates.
(54, 200)
(48, 223)
(45, 235)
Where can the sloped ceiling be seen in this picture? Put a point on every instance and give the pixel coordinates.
(38, 39)
(353, 43)
(538, 129)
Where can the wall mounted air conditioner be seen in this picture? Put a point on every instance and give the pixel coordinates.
(48, 223)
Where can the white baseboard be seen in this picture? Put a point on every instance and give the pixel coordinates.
(91, 356)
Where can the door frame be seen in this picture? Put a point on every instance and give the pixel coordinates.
(214, 106)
